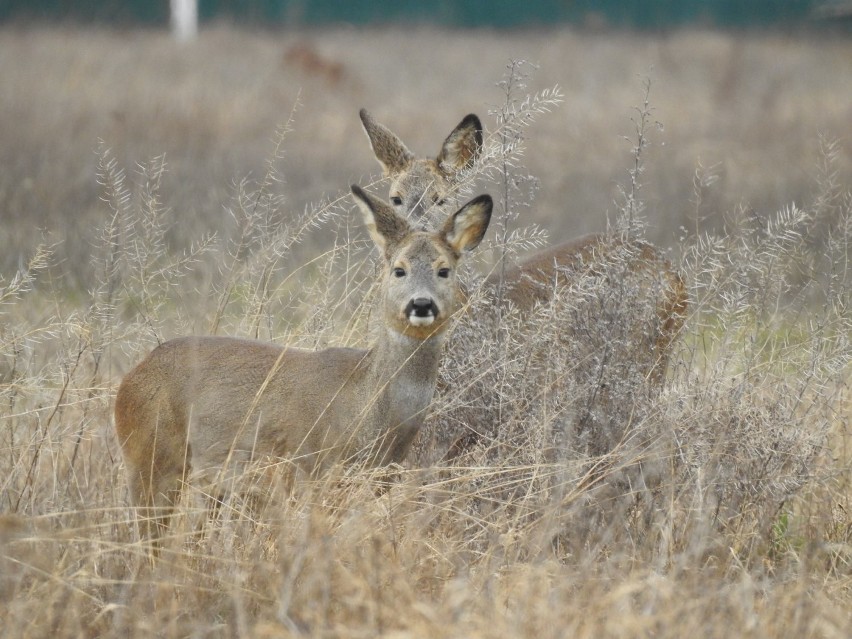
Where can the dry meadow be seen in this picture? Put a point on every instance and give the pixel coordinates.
(150, 190)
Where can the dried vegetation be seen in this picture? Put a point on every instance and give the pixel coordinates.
(590, 504)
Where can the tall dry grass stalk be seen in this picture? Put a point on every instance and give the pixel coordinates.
(590, 504)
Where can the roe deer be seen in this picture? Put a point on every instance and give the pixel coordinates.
(613, 306)
(209, 402)
(418, 184)
(419, 187)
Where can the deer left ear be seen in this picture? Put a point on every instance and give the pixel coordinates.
(461, 147)
(386, 227)
(391, 153)
(464, 230)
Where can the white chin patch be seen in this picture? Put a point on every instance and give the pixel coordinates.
(414, 320)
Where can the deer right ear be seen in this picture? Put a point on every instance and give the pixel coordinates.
(391, 153)
(466, 228)
(386, 227)
(462, 146)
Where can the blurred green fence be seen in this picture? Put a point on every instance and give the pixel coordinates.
(641, 14)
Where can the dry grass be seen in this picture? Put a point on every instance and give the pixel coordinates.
(593, 506)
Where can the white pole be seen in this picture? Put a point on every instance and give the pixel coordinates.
(184, 19)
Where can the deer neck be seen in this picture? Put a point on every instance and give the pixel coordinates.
(403, 372)
(399, 362)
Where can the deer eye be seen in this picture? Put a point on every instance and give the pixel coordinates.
(396, 200)
(399, 272)
(444, 272)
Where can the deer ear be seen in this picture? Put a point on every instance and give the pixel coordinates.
(386, 227)
(391, 153)
(461, 147)
(466, 228)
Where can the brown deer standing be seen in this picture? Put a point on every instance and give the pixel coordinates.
(211, 404)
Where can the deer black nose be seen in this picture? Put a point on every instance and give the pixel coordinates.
(422, 307)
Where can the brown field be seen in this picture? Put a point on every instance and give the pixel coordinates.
(719, 507)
